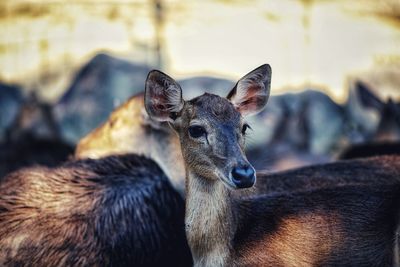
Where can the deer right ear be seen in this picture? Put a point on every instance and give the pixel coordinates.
(163, 97)
(251, 92)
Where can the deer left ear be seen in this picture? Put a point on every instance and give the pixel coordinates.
(250, 95)
(163, 97)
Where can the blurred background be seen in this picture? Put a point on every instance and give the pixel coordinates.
(64, 66)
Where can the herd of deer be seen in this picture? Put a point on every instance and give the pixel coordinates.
(165, 182)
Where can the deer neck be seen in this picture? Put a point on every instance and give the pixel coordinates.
(166, 151)
(209, 221)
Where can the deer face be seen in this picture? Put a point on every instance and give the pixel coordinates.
(211, 129)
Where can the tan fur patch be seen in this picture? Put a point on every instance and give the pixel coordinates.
(304, 240)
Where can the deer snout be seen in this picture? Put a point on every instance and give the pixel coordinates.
(243, 176)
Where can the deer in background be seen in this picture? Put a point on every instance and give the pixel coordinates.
(349, 225)
(385, 140)
(32, 138)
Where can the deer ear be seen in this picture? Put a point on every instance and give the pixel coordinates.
(163, 97)
(251, 92)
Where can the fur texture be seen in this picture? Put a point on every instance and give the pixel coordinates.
(337, 226)
(116, 211)
(367, 171)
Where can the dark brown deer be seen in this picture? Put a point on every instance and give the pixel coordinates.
(114, 211)
(350, 225)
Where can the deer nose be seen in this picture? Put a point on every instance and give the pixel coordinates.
(243, 177)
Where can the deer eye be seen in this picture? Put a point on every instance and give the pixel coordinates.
(244, 129)
(196, 131)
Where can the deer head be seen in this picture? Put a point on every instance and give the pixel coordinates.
(211, 129)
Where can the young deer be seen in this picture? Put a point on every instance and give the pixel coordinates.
(351, 225)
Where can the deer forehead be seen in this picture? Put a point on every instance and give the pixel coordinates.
(211, 107)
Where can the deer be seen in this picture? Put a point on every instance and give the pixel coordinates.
(114, 211)
(385, 140)
(340, 225)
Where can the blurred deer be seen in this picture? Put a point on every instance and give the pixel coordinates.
(351, 225)
(384, 138)
(32, 138)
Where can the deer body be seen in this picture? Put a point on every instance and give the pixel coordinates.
(363, 171)
(310, 228)
(340, 225)
(115, 211)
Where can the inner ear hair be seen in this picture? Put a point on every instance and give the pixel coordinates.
(163, 96)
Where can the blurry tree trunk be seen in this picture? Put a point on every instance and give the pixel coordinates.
(159, 26)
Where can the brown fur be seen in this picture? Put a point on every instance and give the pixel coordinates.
(338, 226)
(286, 245)
(114, 211)
(373, 170)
